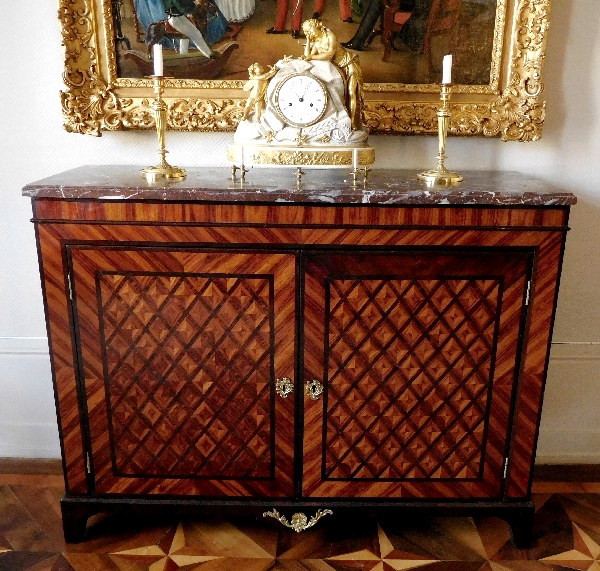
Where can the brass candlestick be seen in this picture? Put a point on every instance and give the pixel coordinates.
(162, 171)
(441, 175)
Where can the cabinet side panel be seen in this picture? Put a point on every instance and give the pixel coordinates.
(534, 367)
(56, 300)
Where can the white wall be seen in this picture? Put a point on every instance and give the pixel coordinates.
(33, 145)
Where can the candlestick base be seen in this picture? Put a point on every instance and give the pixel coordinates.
(164, 172)
(441, 177)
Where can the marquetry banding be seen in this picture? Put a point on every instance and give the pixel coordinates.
(296, 215)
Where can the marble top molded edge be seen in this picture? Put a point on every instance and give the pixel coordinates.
(278, 185)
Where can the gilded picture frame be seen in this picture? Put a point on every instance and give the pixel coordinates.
(509, 106)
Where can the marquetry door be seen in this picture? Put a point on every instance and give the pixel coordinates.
(417, 353)
(179, 350)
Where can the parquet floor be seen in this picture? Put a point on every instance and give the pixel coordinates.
(566, 535)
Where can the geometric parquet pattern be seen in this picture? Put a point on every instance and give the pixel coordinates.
(188, 367)
(566, 536)
(409, 376)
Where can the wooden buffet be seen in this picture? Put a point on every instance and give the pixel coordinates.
(376, 349)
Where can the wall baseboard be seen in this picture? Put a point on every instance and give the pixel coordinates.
(29, 440)
(28, 427)
(568, 447)
(570, 428)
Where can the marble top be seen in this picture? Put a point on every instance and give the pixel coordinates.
(278, 185)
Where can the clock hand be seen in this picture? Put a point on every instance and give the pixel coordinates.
(304, 93)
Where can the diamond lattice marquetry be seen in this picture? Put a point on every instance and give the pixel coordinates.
(409, 364)
(188, 364)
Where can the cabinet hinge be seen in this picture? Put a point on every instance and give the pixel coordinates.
(88, 466)
(527, 293)
(70, 287)
(505, 468)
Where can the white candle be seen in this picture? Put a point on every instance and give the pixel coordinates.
(447, 69)
(157, 55)
(354, 159)
(184, 46)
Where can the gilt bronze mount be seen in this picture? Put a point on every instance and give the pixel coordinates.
(299, 521)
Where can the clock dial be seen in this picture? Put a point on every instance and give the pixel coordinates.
(301, 99)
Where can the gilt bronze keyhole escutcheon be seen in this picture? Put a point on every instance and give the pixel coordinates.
(313, 389)
(284, 387)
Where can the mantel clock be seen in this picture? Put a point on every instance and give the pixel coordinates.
(305, 111)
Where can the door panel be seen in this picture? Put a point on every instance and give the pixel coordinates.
(182, 400)
(416, 353)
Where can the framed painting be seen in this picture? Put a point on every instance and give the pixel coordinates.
(498, 48)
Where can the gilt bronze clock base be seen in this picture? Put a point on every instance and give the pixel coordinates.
(308, 156)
